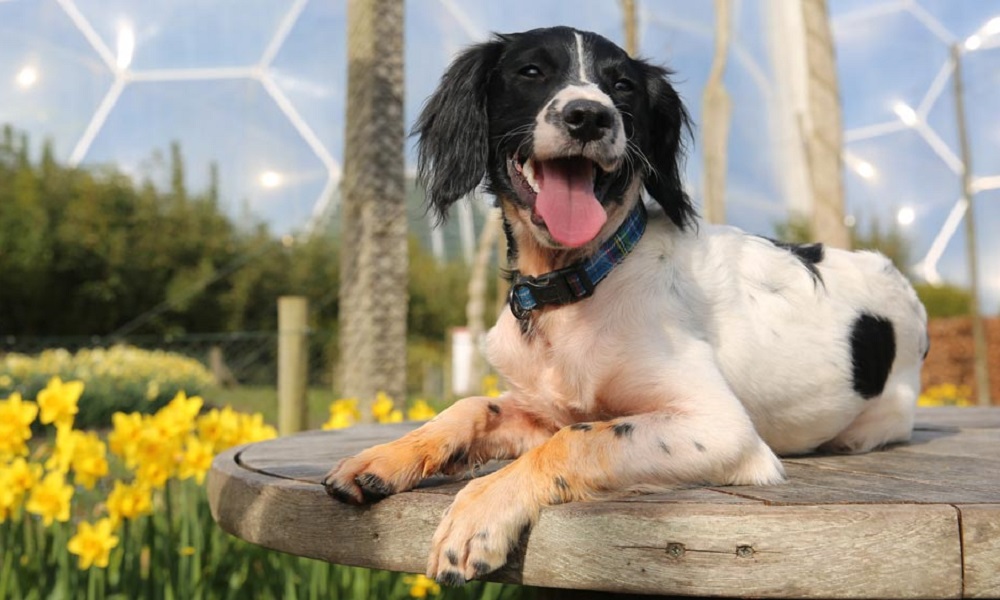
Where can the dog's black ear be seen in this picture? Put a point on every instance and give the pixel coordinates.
(669, 127)
(453, 148)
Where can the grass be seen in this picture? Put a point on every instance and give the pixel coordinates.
(264, 400)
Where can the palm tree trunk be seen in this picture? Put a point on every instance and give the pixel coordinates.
(824, 138)
(374, 262)
(716, 111)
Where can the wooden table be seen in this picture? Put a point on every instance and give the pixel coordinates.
(916, 520)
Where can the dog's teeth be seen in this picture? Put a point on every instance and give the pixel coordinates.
(528, 170)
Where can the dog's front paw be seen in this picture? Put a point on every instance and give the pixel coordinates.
(480, 529)
(372, 475)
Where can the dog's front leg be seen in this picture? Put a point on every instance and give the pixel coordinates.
(471, 431)
(488, 516)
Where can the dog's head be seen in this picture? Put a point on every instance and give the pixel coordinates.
(565, 127)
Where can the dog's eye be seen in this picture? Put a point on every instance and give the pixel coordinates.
(624, 85)
(530, 71)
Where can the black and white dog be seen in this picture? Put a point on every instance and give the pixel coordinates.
(640, 351)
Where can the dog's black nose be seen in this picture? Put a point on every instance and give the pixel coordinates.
(587, 120)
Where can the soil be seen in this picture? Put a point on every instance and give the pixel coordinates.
(951, 354)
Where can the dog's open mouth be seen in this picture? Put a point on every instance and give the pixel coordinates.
(564, 195)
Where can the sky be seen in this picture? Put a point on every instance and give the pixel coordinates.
(257, 86)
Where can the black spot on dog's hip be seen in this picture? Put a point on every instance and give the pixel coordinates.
(873, 348)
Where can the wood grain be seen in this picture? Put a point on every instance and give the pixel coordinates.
(981, 550)
(915, 520)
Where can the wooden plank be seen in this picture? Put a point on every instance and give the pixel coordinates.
(966, 418)
(757, 551)
(819, 551)
(962, 475)
(810, 485)
(979, 444)
(981, 550)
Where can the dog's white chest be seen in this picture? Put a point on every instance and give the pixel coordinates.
(550, 375)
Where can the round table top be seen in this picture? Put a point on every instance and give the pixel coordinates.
(916, 520)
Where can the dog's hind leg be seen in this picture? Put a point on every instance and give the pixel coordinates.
(886, 419)
(473, 430)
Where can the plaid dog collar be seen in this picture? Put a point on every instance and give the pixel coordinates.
(577, 281)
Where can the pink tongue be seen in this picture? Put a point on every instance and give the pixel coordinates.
(566, 200)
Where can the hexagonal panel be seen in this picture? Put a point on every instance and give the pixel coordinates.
(881, 61)
(51, 80)
(264, 164)
(173, 34)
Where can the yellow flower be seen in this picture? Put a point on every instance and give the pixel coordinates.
(491, 386)
(128, 501)
(343, 413)
(16, 417)
(196, 461)
(67, 440)
(125, 433)
(50, 499)
(253, 429)
(156, 454)
(58, 401)
(221, 428)
(6, 381)
(16, 478)
(420, 411)
(90, 462)
(22, 475)
(421, 586)
(178, 417)
(383, 411)
(93, 543)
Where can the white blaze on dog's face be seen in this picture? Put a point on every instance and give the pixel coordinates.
(566, 128)
(578, 136)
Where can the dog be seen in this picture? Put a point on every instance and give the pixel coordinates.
(640, 350)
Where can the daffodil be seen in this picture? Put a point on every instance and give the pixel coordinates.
(126, 429)
(421, 586)
(93, 543)
(221, 428)
(16, 479)
(343, 413)
(196, 461)
(177, 418)
(21, 475)
(252, 428)
(90, 461)
(50, 499)
(128, 501)
(58, 401)
(16, 417)
(383, 409)
(61, 458)
(491, 386)
(420, 411)
(155, 455)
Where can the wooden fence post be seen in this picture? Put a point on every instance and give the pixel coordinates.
(293, 363)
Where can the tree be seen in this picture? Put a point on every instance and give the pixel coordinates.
(716, 111)
(373, 300)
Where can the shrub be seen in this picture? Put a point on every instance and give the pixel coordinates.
(120, 378)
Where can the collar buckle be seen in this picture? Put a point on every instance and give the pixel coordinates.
(561, 286)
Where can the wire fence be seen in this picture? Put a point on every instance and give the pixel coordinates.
(250, 358)
(238, 358)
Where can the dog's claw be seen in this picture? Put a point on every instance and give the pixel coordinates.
(451, 578)
(373, 487)
(342, 493)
